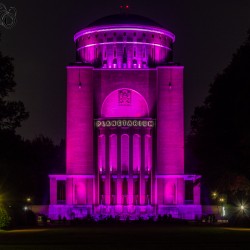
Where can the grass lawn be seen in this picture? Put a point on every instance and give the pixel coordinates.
(127, 237)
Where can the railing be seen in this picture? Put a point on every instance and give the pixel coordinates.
(124, 172)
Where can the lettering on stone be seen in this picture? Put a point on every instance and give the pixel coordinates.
(98, 124)
(125, 123)
(129, 123)
(135, 123)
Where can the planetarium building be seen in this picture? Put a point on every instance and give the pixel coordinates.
(125, 129)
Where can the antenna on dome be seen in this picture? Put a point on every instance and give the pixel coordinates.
(124, 7)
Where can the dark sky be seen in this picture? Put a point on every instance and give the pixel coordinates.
(207, 34)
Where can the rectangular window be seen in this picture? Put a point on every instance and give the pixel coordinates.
(148, 186)
(189, 196)
(113, 191)
(61, 189)
(134, 52)
(125, 191)
(113, 186)
(136, 191)
(125, 186)
(102, 191)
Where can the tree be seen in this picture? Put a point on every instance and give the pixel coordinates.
(4, 217)
(220, 134)
(43, 157)
(24, 164)
(12, 113)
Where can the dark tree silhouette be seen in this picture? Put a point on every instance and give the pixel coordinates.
(24, 164)
(220, 128)
(12, 113)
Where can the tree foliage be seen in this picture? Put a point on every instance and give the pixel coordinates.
(24, 164)
(220, 128)
(4, 217)
(12, 113)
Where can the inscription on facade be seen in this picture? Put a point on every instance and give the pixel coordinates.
(125, 123)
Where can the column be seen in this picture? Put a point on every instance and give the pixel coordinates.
(148, 165)
(69, 191)
(119, 180)
(96, 188)
(130, 171)
(153, 171)
(101, 163)
(142, 170)
(107, 179)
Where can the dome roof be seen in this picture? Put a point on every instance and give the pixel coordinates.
(124, 19)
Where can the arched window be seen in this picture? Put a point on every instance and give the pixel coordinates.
(125, 103)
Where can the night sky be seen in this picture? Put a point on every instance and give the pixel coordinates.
(207, 34)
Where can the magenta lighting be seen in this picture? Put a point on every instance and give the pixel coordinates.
(125, 129)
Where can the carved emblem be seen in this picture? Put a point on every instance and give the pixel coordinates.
(124, 97)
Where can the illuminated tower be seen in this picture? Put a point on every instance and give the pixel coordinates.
(125, 129)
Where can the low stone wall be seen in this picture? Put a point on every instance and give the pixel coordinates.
(188, 212)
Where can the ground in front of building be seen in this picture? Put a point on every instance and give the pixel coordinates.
(127, 236)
